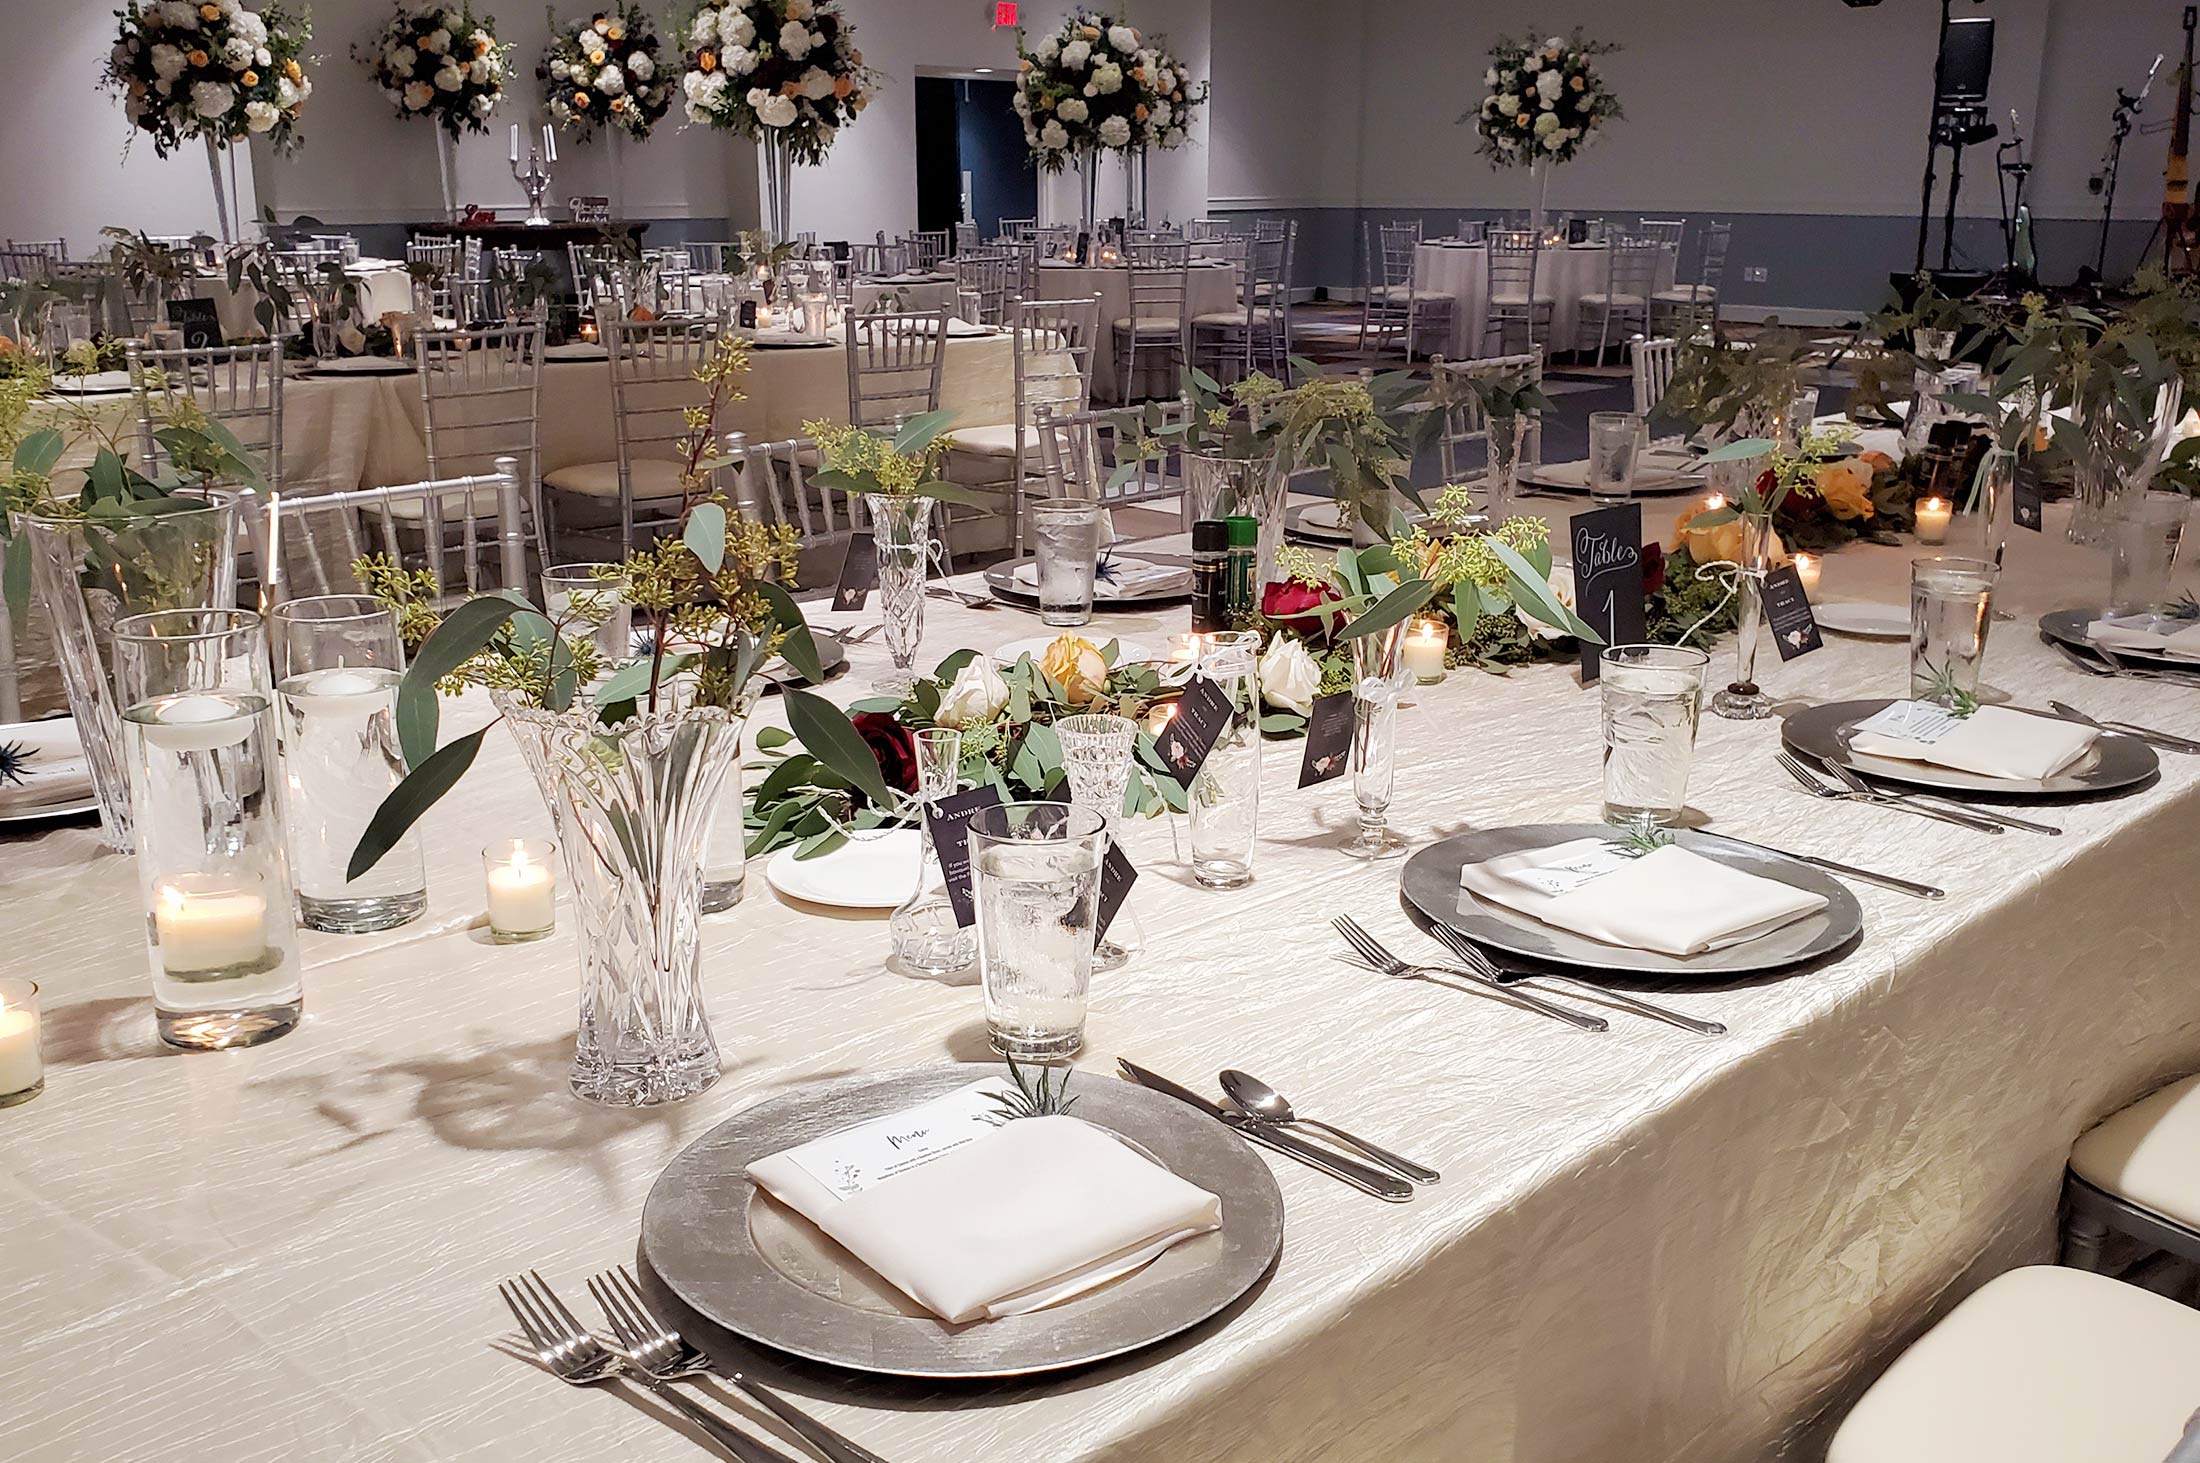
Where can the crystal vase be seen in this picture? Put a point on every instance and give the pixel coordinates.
(1379, 678)
(1508, 440)
(2122, 455)
(89, 573)
(901, 529)
(1241, 487)
(635, 806)
(1743, 700)
(928, 939)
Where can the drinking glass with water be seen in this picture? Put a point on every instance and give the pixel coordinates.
(1615, 447)
(1035, 876)
(1951, 608)
(1068, 540)
(1653, 700)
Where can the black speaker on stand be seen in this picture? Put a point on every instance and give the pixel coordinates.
(1962, 70)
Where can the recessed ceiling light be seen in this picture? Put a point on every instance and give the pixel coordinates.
(983, 70)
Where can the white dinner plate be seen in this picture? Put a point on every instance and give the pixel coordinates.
(68, 808)
(863, 873)
(364, 366)
(1127, 651)
(96, 383)
(1856, 617)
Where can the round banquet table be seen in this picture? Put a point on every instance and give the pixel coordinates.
(1212, 287)
(1564, 272)
(1645, 1246)
(384, 288)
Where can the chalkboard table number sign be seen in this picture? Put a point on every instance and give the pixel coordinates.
(1607, 544)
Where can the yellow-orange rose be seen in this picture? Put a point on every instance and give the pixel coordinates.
(580, 100)
(1717, 541)
(842, 85)
(196, 58)
(1075, 665)
(250, 78)
(1846, 488)
(706, 61)
(616, 33)
(210, 12)
(618, 104)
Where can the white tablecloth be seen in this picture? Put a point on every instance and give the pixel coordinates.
(1646, 1246)
(381, 291)
(1213, 286)
(1564, 272)
(929, 292)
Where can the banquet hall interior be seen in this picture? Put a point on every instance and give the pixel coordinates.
(919, 731)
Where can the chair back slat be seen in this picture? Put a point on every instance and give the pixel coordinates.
(895, 359)
(275, 527)
(1464, 422)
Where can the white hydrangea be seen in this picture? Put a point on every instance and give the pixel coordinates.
(773, 110)
(704, 89)
(178, 14)
(211, 99)
(437, 41)
(449, 78)
(1049, 49)
(1553, 142)
(816, 84)
(288, 94)
(478, 71)
(401, 59)
(251, 27)
(559, 71)
(1115, 132)
(1548, 84)
(738, 61)
(167, 62)
(259, 116)
(705, 29)
(1075, 55)
(1508, 105)
(237, 53)
(794, 40)
(737, 29)
(642, 67)
(1073, 110)
(1021, 104)
(1052, 137)
(1159, 118)
(611, 81)
(1546, 124)
(1123, 38)
(1106, 80)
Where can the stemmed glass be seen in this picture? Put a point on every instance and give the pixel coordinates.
(1379, 677)
(927, 937)
(1096, 753)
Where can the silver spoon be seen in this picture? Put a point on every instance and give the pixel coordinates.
(1257, 1099)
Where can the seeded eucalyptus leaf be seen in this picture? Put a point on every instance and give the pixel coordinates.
(705, 535)
(36, 454)
(464, 633)
(421, 789)
(830, 737)
(1391, 608)
(946, 492)
(921, 431)
(1740, 450)
(1532, 592)
(629, 681)
(798, 648)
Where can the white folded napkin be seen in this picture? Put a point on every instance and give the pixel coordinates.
(2155, 634)
(1668, 900)
(1126, 578)
(1993, 741)
(55, 772)
(975, 1218)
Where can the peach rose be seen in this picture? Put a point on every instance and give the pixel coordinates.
(1846, 488)
(1717, 541)
(1075, 665)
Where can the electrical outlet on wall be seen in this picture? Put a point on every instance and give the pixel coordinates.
(1755, 274)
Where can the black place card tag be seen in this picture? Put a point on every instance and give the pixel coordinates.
(1202, 716)
(1608, 595)
(199, 320)
(1116, 878)
(2027, 497)
(858, 573)
(1328, 739)
(949, 822)
(745, 316)
(1787, 611)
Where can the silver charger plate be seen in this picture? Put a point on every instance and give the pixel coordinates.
(746, 1263)
(1654, 480)
(363, 366)
(1430, 883)
(45, 812)
(1822, 732)
(2068, 626)
(1001, 579)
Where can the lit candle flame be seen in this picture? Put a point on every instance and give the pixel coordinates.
(1714, 503)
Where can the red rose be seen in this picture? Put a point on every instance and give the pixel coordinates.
(1286, 598)
(1653, 567)
(892, 745)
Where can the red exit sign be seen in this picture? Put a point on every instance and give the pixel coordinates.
(1004, 12)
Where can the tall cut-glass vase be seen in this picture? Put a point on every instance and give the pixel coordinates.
(1500, 481)
(1743, 699)
(2123, 454)
(635, 806)
(777, 160)
(89, 573)
(901, 528)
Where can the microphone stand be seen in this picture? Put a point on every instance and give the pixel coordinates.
(2010, 166)
(2127, 107)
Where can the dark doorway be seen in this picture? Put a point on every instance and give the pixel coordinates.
(969, 126)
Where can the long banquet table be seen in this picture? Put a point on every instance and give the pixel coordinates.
(1645, 1246)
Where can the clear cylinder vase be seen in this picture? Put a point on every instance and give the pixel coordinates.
(1088, 189)
(635, 805)
(1225, 796)
(1241, 487)
(901, 530)
(220, 915)
(90, 573)
(777, 161)
(1743, 699)
(928, 939)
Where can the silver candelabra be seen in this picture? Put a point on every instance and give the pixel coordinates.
(535, 178)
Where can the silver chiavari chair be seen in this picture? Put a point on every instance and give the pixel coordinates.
(1053, 343)
(769, 482)
(481, 396)
(283, 535)
(1666, 231)
(1223, 340)
(1630, 277)
(927, 247)
(708, 256)
(966, 238)
(895, 363)
(1018, 228)
(1519, 307)
(239, 386)
(444, 260)
(32, 258)
(993, 275)
(1397, 309)
(1464, 421)
(1092, 454)
(653, 386)
(1688, 308)
(1654, 363)
(1157, 331)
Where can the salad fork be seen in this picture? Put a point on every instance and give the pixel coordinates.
(1373, 953)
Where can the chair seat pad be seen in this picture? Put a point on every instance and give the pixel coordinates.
(1687, 294)
(1148, 325)
(1510, 298)
(654, 477)
(2041, 1365)
(415, 510)
(1624, 302)
(2149, 1154)
(1225, 319)
(998, 440)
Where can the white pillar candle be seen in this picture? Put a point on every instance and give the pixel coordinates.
(515, 144)
(22, 1068)
(196, 722)
(204, 925)
(523, 890)
(1806, 573)
(1932, 520)
(1423, 653)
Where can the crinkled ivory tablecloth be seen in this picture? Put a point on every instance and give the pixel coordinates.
(1646, 1246)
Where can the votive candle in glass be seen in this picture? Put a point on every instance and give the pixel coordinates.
(523, 889)
(1932, 520)
(22, 1067)
(1425, 644)
(1806, 572)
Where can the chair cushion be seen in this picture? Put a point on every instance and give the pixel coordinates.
(1148, 325)
(654, 477)
(2041, 1365)
(2149, 1154)
(1232, 319)
(998, 440)
(1687, 294)
(414, 510)
(1509, 298)
(1624, 302)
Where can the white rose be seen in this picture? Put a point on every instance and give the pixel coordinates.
(480, 106)
(261, 56)
(1049, 49)
(418, 95)
(1115, 132)
(705, 29)
(1052, 137)
(259, 116)
(1562, 589)
(1489, 78)
(1159, 120)
(642, 67)
(211, 99)
(237, 51)
(1073, 110)
(611, 81)
(450, 78)
(559, 71)
(1545, 124)
(401, 59)
(736, 29)
(1174, 137)
(816, 84)
(1021, 103)
(774, 110)
(1107, 79)
(167, 62)
(437, 40)
(738, 61)
(1289, 678)
(794, 40)
(1554, 142)
(1075, 55)
(978, 691)
(1123, 38)
(1508, 105)
(1548, 85)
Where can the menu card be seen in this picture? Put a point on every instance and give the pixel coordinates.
(1202, 715)
(1608, 594)
(949, 822)
(1328, 739)
(1787, 610)
(858, 573)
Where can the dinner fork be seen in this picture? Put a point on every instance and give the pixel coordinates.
(1855, 782)
(1816, 788)
(565, 1347)
(1372, 951)
(1459, 945)
(2115, 669)
(655, 1348)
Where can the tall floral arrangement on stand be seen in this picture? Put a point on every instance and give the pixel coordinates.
(606, 68)
(1543, 102)
(440, 59)
(1083, 89)
(1164, 122)
(785, 73)
(213, 71)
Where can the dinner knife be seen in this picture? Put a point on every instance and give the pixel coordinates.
(2166, 741)
(1253, 1130)
(1885, 881)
